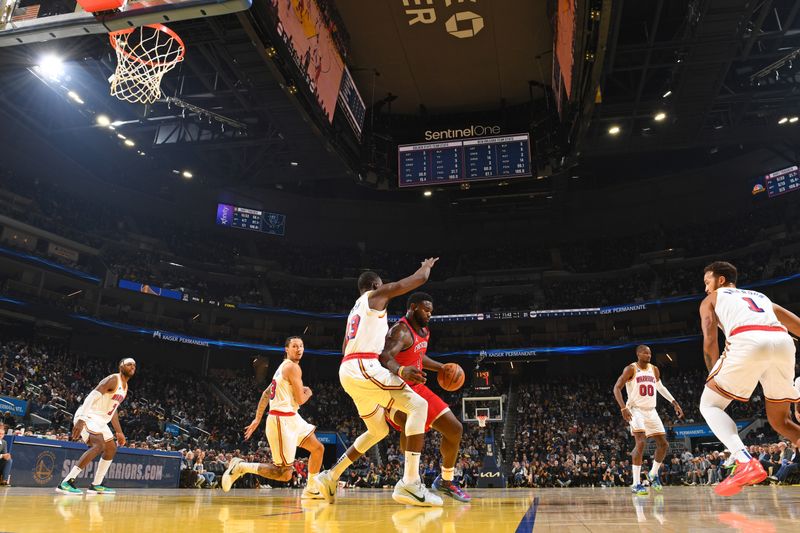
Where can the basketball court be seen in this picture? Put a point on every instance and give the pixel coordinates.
(759, 509)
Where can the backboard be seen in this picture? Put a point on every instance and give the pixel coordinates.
(31, 21)
(489, 406)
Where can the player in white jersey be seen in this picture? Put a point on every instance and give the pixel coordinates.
(91, 426)
(286, 430)
(375, 382)
(758, 350)
(641, 381)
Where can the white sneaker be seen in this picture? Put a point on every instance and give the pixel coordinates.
(229, 477)
(326, 485)
(311, 492)
(415, 494)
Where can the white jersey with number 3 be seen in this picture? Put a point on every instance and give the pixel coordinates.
(641, 388)
(736, 308)
(102, 409)
(366, 328)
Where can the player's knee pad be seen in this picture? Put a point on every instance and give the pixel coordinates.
(377, 429)
(712, 399)
(417, 415)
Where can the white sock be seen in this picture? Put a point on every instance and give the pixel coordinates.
(655, 469)
(637, 474)
(411, 470)
(448, 473)
(246, 468)
(340, 466)
(73, 474)
(100, 473)
(712, 405)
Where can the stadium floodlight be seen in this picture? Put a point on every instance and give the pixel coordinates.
(50, 66)
(428, 193)
(129, 142)
(783, 120)
(103, 120)
(666, 94)
(793, 120)
(294, 163)
(75, 97)
(614, 130)
(660, 116)
(186, 174)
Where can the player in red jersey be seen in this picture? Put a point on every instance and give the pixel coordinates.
(407, 342)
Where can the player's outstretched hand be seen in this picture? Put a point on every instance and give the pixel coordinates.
(429, 262)
(77, 428)
(413, 375)
(250, 429)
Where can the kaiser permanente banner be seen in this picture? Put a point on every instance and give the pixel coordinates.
(15, 406)
(44, 463)
(702, 430)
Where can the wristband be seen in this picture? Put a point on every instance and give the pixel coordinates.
(400, 370)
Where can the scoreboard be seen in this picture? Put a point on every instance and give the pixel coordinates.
(782, 181)
(252, 219)
(464, 160)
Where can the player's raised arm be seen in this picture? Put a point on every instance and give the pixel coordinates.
(397, 340)
(709, 323)
(294, 376)
(380, 297)
(626, 375)
(790, 320)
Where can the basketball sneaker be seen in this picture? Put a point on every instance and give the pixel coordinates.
(68, 487)
(99, 489)
(655, 482)
(415, 494)
(640, 490)
(230, 477)
(311, 492)
(743, 474)
(450, 488)
(326, 485)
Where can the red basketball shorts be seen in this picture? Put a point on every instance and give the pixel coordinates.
(436, 406)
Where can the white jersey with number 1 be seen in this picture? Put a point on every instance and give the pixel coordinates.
(736, 308)
(366, 328)
(641, 388)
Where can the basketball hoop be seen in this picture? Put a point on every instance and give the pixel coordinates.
(144, 55)
(482, 420)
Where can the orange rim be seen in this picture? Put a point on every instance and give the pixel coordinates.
(158, 27)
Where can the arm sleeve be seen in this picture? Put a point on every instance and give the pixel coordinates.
(88, 401)
(664, 392)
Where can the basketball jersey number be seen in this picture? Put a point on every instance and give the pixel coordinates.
(646, 390)
(752, 305)
(272, 387)
(111, 412)
(352, 328)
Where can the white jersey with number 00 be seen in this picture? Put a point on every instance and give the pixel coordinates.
(737, 307)
(641, 388)
(366, 328)
(281, 395)
(102, 409)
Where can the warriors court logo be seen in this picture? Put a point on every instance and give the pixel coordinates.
(462, 25)
(44, 467)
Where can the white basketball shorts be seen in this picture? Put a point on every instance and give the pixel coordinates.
(285, 432)
(753, 357)
(646, 421)
(372, 386)
(93, 427)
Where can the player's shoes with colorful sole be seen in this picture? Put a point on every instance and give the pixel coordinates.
(451, 489)
(743, 474)
(67, 487)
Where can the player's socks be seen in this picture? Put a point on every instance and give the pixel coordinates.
(712, 407)
(73, 474)
(448, 474)
(411, 469)
(245, 468)
(340, 466)
(637, 474)
(100, 473)
(654, 470)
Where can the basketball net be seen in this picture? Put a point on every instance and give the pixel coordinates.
(482, 420)
(144, 55)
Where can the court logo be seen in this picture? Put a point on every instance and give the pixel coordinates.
(43, 468)
(462, 24)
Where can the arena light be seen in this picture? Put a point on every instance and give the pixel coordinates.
(294, 163)
(793, 120)
(614, 130)
(660, 116)
(783, 120)
(186, 174)
(103, 120)
(50, 66)
(75, 97)
(666, 94)
(121, 136)
(428, 193)
(130, 143)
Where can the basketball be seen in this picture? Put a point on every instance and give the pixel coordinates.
(451, 377)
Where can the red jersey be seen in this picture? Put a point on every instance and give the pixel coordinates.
(414, 354)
